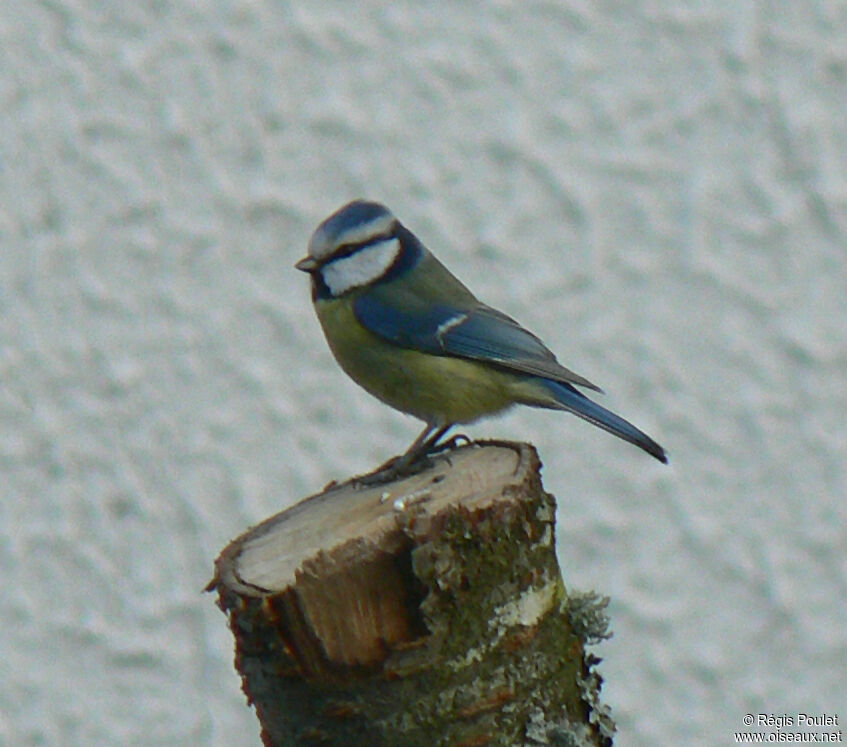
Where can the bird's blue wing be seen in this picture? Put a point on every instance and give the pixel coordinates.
(478, 332)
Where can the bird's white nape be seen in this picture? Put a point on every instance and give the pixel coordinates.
(360, 268)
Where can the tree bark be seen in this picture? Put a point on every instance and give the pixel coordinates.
(427, 611)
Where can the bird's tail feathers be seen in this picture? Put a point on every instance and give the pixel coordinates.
(568, 398)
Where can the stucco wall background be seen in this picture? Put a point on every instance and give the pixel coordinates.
(659, 190)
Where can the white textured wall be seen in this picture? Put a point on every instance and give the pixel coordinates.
(658, 189)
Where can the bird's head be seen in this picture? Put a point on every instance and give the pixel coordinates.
(358, 245)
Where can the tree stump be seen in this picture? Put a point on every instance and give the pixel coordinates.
(427, 611)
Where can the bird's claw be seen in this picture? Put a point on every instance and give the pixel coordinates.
(449, 444)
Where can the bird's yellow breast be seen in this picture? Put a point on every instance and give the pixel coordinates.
(437, 389)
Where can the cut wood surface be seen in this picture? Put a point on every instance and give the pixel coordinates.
(427, 611)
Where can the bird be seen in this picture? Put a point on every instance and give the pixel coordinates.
(405, 329)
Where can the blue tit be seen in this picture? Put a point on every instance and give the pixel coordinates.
(410, 333)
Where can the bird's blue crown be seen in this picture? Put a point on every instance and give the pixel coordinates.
(357, 224)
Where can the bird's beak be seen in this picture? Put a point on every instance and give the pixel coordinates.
(307, 264)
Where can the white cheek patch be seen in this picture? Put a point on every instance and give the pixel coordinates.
(361, 267)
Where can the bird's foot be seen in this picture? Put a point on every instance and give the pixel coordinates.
(410, 463)
(393, 469)
(449, 444)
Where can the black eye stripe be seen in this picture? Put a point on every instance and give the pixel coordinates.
(347, 250)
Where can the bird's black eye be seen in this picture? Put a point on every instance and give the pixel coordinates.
(346, 250)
